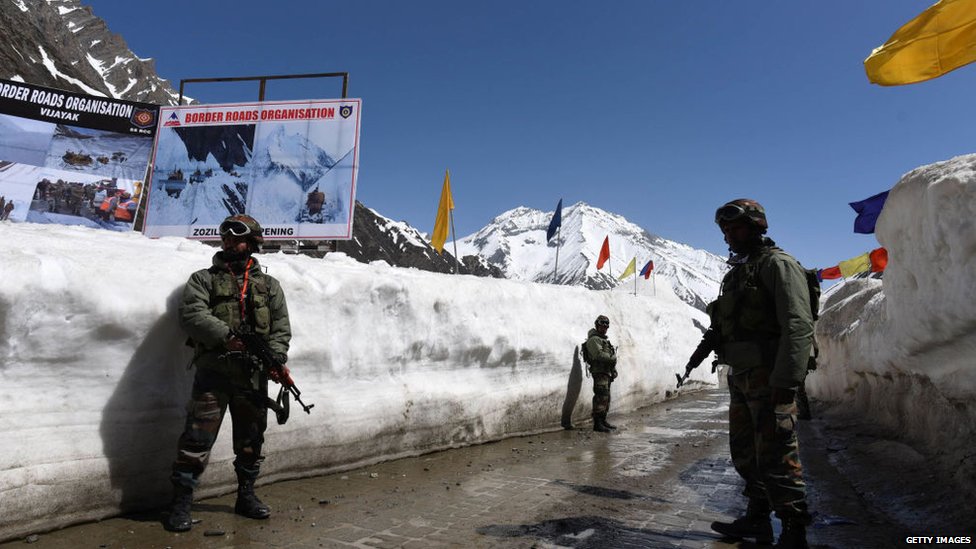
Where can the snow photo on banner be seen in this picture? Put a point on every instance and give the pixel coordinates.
(71, 158)
(290, 165)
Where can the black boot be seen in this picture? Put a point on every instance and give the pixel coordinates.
(599, 425)
(179, 510)
(607, 424)
(248, 504)
(755, 524)
(794, 535)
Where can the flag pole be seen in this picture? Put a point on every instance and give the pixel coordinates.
(457, 261)
(556, 268)
(653, 284)
(635, 283)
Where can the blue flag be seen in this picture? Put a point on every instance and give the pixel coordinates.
(557, 221)
(646, 271)
(868, 211)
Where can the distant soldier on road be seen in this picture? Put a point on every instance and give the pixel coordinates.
(218, 303)
(601, 359)
(765, 325)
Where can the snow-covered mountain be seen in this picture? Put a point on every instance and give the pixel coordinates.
(61, 44)
(515, 242)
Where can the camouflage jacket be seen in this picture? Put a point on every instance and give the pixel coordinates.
(603, 356)
(763, 316)
(210, 309)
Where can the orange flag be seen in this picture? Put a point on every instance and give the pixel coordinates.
(830, 273)
(604, 253)
(879, 260)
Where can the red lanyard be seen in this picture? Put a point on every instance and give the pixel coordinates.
(242, 297)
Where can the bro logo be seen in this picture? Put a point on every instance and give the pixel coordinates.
(143, 118)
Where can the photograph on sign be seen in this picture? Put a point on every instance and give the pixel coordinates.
(23, 140)
(99, 152)
(45, 195)
(290, 165)
(72, 158)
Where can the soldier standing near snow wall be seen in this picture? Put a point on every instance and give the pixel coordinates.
(764, 317)
(233, 294)
(601, 358)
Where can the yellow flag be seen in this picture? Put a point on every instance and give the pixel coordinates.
(631, 269)
(854, 265)
(441, 224)
(941, 39)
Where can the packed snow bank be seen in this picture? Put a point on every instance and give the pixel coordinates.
(94, 377)
(903, 350)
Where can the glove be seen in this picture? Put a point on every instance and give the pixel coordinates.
(279, 374)
(613, 374)
(783, 396)
(234, 343)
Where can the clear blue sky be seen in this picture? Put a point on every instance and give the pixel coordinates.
(656, 110)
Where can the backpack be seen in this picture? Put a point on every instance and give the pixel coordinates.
(584, 352)
(813, 289)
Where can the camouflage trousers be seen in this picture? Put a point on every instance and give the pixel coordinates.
(763, 444)
(212, 395)
(601, 393)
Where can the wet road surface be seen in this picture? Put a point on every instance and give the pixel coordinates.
(659, 481)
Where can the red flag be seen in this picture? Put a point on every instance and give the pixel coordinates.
(604, 253)
(879, 260)
(830, 273)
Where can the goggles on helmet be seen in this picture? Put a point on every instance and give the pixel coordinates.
(234, 227)
(728, 213)
(603, 323)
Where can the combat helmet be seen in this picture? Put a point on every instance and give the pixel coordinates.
(243, 225)
(742, 208)
(602, 320)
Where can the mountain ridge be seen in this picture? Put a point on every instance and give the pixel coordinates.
(515, 242)
(62, 44)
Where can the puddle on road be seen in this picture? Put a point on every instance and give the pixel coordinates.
(664, 431)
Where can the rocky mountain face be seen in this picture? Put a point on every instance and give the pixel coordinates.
(377, 238)
(62, 44)
(515, 242)
(229, 145)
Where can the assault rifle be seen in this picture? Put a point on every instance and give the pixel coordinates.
(709, 343)
(265, 357)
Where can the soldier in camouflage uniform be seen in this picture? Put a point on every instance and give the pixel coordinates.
(765, 323)
(217, 302)
(603, 367)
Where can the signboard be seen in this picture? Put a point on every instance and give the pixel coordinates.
(72, 158)
(290, 165)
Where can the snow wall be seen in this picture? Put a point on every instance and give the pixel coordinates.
(94, 376)
(902, 351)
